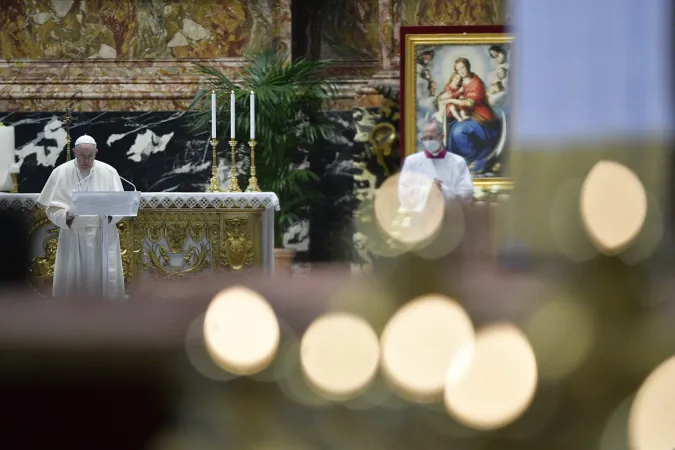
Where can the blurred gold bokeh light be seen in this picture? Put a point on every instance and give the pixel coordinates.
(241, 331)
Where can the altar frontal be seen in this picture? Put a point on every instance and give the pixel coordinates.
(175, 235)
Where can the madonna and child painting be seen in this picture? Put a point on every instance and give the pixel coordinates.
(462, 82)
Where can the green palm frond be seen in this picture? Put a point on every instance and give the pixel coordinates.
(289, 122)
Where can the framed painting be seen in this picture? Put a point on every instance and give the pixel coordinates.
(460, 77)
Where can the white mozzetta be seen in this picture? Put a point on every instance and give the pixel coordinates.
(265, 200)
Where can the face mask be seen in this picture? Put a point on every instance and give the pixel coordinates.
(432, 146)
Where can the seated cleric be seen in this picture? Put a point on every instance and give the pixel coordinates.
(435, 165)
(79, 262)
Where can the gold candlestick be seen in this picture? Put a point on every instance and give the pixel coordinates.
(214, 185)
(15, 183)
(234, 184)
(68, 120)
(253, 181)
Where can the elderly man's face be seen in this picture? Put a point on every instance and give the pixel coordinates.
(85, 154)
(431, 133)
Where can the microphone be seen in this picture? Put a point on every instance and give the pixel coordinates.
(132, 184)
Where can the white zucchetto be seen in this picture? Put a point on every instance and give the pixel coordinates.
(85, 139)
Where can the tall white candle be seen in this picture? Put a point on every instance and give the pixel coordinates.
(232, 115)
(213, 114)
(252, 115)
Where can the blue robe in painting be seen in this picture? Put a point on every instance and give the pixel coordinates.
(473, 141)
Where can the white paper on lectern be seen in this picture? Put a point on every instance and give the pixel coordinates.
(7, 157)
(102, 203)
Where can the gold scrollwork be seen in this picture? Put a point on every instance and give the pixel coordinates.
(382, 137)
(165, 243)
(197, 231)
(155, 232)
(125, 230)
(186, 247)
(195, 260)
(238, 249)
(176, 234)
(43, 266)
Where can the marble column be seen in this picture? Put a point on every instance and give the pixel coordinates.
(388, 75)
(390, 25)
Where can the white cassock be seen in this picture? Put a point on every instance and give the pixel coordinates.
(419, 171)
(78, 268)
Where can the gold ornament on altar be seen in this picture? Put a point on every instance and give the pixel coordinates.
(163, 243)
(184, 244)
(214, 185)
(234, 184)
(238, 250)
(252, 181)
(43, 266)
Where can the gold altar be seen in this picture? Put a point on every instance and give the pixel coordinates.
(163, 241)
(179, 243)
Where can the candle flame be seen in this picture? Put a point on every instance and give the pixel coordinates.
(252, 93)
(213, 92)
(231, 92)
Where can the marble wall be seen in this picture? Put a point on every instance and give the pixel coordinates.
(99, 55)
(350, 30)
(157, 151)
(128, 55)
(109, 29)
(456, 12)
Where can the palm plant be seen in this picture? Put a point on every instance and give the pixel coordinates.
(289, 123)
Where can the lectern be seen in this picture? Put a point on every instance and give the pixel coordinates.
(104, 204)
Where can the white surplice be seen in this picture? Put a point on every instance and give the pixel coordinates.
(419, 171)
(79, 262)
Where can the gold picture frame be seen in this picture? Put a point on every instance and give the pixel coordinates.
(491, 163)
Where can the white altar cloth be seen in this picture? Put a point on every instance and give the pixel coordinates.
(268, 201)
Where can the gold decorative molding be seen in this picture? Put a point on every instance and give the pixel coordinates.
(138, 85)
(170, 243)
(238, 247)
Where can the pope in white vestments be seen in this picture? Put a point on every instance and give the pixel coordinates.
(433, 166)
(79, 262)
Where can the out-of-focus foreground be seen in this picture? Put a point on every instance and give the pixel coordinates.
(533, 318)
(459, 350)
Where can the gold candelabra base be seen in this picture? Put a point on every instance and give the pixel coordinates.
(252, 181)
(15, 183)
(234, 183)
(253, 185)
(214, 184)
